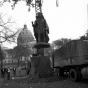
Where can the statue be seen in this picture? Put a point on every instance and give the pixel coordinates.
(40, 61)
(41, 29)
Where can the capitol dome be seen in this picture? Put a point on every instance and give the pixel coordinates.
(25, 36)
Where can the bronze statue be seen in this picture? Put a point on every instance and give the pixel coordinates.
(41, 29)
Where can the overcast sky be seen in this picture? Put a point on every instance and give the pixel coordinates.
(69, 20)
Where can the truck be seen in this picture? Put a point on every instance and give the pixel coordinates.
(72, 58)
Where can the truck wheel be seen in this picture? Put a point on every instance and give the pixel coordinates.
(75, 75)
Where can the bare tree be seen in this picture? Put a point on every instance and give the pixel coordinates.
(28, 3)
(6, 31)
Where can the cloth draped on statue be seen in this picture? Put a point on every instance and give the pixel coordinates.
(41, 66)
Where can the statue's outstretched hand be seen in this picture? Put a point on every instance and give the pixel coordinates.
(32, 22)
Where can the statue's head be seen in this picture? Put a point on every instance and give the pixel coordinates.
(39, 16)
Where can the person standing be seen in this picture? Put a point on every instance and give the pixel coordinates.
(2, 72)
(19, 70)
(28, 67)
(5, 71)
(14, 71)
(8, 74)
(28, 70)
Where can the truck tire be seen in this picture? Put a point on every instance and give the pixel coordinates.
(75, 75)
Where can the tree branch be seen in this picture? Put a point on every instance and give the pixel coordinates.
(6, 39)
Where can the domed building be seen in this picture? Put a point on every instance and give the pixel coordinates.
(25, 36)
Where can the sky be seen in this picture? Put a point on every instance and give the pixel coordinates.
(68, 20)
